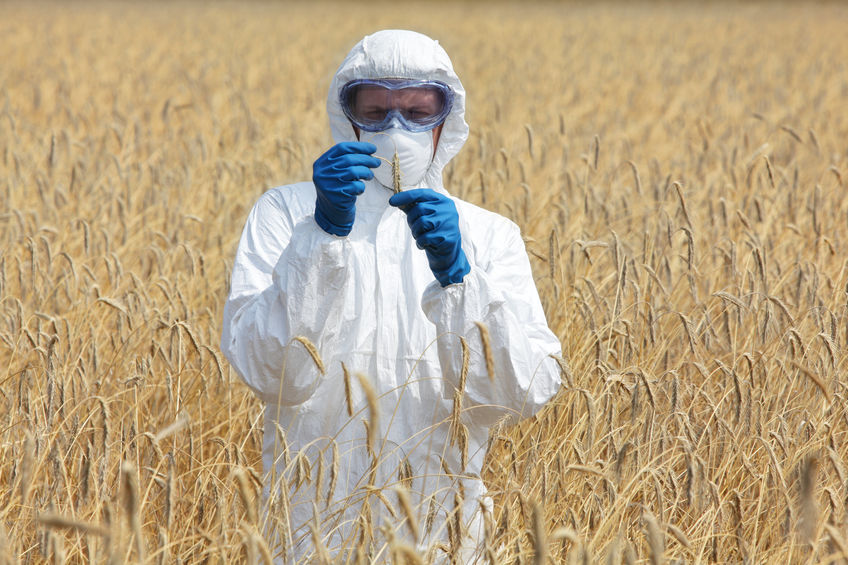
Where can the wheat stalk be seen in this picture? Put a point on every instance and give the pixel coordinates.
(64, 522)
(396, 185)
(132, 506)
(409, 513)
(540, 544)
(487, 350)
(347, 389)
(373, 410)
(313, 352)
(243, 491)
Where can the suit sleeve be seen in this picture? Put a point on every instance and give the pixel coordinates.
(501, 294)
(284, 265)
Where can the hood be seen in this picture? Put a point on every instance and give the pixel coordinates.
(402, 54)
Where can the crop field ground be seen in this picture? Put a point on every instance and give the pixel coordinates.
(678, 171)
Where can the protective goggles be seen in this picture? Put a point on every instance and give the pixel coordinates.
(416, 105)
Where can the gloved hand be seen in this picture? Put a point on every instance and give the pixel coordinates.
(434, 222)
(338, 176)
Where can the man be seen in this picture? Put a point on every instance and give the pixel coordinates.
(357, 314)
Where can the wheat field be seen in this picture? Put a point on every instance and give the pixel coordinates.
(678, 173)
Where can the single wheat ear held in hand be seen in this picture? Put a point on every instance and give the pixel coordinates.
(396, 173)
(396, 176)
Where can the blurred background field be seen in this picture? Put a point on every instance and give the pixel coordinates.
(677, 169)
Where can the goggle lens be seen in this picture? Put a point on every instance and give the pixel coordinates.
(372, 105)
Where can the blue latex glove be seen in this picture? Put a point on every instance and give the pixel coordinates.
(434, 222)
(338, 176)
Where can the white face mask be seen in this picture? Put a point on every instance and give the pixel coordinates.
(415, 153)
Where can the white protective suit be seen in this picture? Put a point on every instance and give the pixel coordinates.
(370, 301)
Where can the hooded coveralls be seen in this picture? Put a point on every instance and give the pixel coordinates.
(369, 301)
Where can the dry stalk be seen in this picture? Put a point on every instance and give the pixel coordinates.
(319, 476)
(814, 378)
(809, 509)
(164, 547)
(405, 553)
(553, 254)
(565, 370)
(347, 388)
(57, 543)
(687, 329)
(321, 553)
(592, 418)
(27, 467)
(679, 535)
(378, 492)
(431, 515)
(815, 139)
(540, 543)
(373, 410)
(463, 372)
(793, 133)
(97, 223)
(282, 444)
(529, 131)
(487, 350)
(679, 189)
(837, 539)
(636, 178)
(837, 465)
(313, 352)
(244, 494)
(303, 470)
(458, 431)
(596, 143)
(57, 521)
(334, 474)
(655, 538)
(405, 473)
(409, 513)
(455, 527)
(264, 551)
(132, 507)
(396, 180)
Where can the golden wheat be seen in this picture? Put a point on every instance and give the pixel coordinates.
(678, 175)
